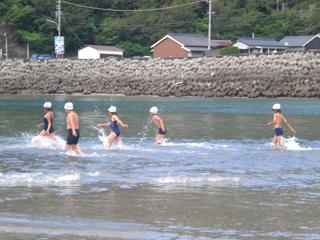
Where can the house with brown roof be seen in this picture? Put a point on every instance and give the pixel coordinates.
(180, 45)
(99, 51)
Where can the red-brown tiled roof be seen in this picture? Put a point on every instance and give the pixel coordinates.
(223, 42)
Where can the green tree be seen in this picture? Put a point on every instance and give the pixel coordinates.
(137, 31)
(230, 50)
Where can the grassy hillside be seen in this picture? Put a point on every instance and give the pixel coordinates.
(136, 31)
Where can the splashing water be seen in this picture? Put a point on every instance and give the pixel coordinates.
(48, 143)
(144, 132)
(293, 145)
(102, 136)
(96, 109)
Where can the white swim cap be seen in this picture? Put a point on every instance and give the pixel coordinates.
(68, 106)
(276, 106)
(47, 105)
(154, 110)
(112, 109)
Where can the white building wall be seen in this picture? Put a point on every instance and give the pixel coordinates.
(88, 53)
(241, 46)
(112, 53)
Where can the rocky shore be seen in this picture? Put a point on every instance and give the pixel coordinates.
(286, 75)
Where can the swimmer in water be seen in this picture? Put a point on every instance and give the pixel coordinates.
(73, 125)
(158, 122)
(47, 125)
(114, 123)
(278, 118)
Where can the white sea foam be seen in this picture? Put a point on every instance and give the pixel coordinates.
(39, 179)
(81, 155)
(195, 181)
(204, 145)
(47, 143)
(292, 144)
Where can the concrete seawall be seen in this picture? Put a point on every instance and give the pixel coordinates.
(287, 75)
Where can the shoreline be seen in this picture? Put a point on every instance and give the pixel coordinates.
(290, 75)
(151, 96)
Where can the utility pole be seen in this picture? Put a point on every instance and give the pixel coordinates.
(58, 15)
(209, 27)
(28, 51)
(278, 2)
(6, 44)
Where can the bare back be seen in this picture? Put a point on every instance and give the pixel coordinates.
(278, 119)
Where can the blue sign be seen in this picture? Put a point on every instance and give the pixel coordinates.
(59, 45)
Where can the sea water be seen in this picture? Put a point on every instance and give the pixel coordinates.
(217, 176)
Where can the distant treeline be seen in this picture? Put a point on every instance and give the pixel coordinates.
(135, 32)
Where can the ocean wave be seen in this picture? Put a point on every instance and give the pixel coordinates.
(195, 181)
(40, 179)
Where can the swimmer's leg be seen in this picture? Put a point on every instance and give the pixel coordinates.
(76, 149)
(52, 136)
(43, 133)
(68, 148)
(118, 140)
(159, 139)
(280, 141)
(53, 139)
(111, 138)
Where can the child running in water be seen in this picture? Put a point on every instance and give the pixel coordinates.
(278, 118)
(73, 127)
(47, 125)
(158, 122)
(114, 123)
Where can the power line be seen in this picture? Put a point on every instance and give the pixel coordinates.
(143, 25)
(224, 19)
(155, 25)
(130, 10)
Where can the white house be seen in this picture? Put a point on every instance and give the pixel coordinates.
(98, 51)
(259, 45)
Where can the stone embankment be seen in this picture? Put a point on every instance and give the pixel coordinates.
(287, 75)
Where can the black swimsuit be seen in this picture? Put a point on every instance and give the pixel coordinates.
(161, 132)
(71, 139)
(46, 124)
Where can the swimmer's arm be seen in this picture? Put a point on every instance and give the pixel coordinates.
(273, 121)
(120, 122)
(289, 125)
(103, 124)
(161, 124)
